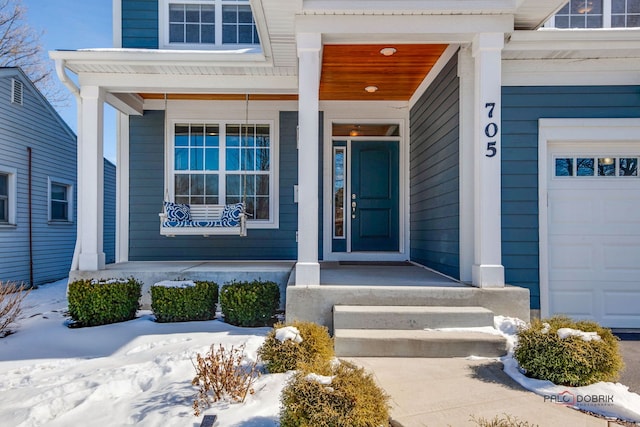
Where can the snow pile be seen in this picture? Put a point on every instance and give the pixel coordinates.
(131, 373)
(320, 379)
(175, 283)
(288, 333)
(586, 336)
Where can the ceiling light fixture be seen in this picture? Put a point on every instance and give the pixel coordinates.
(388, 51)
(371, 89)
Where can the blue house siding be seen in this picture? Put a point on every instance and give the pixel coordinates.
(109, 234)
(140, 24)
(146, 195)
(35, 124)
(434, 171)
(521, 109)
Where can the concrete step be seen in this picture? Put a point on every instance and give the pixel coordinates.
(409, 317)
(416, 343)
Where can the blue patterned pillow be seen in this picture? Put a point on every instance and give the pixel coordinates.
(231, 214)
(177, 211)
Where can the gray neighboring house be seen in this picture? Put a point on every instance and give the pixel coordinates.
(38, 186)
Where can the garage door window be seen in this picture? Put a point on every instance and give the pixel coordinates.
(596, 166)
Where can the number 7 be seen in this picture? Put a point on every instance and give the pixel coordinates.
(491, 106)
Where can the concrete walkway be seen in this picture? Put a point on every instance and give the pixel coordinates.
(448, 392)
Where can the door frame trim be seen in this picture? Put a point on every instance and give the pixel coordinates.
(403, 194)
(583, 130)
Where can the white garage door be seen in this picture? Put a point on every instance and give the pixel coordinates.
(594, 233)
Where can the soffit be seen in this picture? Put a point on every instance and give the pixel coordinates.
(348, 69)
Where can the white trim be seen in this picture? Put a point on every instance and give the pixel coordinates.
(70, 201)
(222, 113)
(365, 113)
(12, 194)
(466, 156)
(117, 23)
(570, 131)
(444, 59)
(122, 188)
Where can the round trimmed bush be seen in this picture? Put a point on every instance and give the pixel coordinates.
(333, 395)
(572, 360)
(286, 355)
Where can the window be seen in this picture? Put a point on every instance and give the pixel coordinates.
(60, 196)
(7, 196)
(625, 13)
(4, 198)
(580, 14)
(207, 23)
(597, 14)
(224, 163)
(597, 166)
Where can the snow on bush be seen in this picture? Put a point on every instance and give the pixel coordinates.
(288, 333)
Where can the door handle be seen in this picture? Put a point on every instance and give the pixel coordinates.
(353, 209)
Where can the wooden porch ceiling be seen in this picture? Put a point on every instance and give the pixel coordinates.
(348, 69)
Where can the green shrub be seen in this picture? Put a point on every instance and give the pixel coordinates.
(184, 303)
(283, 356)
(571, 361)
(93, 303)
(249, 303)
(352, 398)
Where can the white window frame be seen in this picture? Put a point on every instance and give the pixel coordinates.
(12, 174)
(606, 17)
(273, 221)
(163, 26)
(69, 186)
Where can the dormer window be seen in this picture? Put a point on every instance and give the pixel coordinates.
(207, 24)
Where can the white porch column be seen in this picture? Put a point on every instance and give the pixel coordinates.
(309, 48)
(91, 175)
(122, 188)
(487, 269)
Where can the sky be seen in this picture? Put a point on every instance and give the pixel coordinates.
(75, 24)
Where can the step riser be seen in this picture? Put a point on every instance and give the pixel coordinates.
(404, 320)
(363, 347)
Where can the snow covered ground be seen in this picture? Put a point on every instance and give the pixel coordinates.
(139, 372)
(132, 373)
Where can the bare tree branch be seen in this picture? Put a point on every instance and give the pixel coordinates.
(20, 47)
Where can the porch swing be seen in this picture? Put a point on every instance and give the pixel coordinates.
(206, 219)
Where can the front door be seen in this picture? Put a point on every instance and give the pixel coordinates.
(372, 205)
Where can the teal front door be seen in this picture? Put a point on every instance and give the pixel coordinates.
(374, 198)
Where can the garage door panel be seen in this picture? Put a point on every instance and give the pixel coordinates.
(574, 304)
(622, 255)
(621, 303)
(569, 254)
(571, 210)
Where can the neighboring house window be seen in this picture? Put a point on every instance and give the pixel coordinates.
(224, 163)
(4, 198)
(16, 91)
(60, 197)
(597, 14)
(207, 23)
(7, 195)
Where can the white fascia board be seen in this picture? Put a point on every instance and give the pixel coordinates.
(433, 73)
(127, 103)
(161, 57)
(172, 83)
(407, 6)
(403, 25)
(571, 72)
(573, 39)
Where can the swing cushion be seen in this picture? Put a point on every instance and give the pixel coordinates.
(231, 215)
(177, 212)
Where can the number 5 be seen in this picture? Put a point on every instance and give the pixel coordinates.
(491, 149)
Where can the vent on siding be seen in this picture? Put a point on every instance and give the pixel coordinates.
(16, 91)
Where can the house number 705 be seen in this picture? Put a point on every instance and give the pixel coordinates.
(491, 130)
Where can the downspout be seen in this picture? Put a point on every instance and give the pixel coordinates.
(30, 204)
(61, 71)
